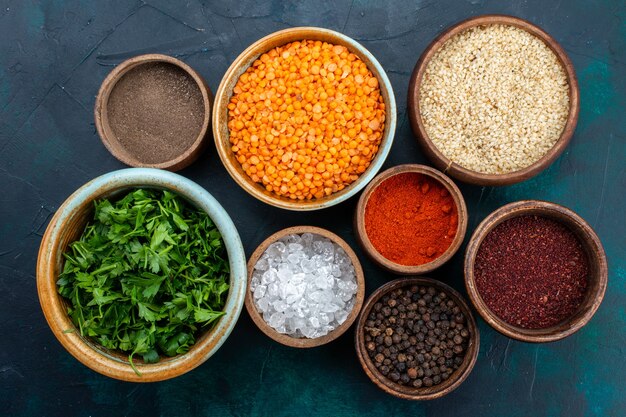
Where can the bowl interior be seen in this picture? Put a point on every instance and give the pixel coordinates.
(225, 92)
(107, 134)
(597, 278)
(423, 393)
(67, 225)
(454, 169)
(295, 341)
(72, 233)
(459, 202)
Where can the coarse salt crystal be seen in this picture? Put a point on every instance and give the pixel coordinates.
(305, 285)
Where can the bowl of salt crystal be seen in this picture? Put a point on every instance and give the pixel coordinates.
(305, 286)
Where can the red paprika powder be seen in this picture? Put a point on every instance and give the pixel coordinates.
(411, 219)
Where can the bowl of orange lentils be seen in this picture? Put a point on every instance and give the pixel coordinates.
(304, 118)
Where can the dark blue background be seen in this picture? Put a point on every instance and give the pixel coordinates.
(55, 54)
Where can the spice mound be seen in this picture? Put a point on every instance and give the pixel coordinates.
(494, 99)
(532, 272)
(156, 112)
(416, 336)
(306, 119)
(147, 276)
(411, 219)
(304, 285)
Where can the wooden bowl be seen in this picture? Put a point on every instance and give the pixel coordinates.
(305, 342)
(113, 144)
(377, 257)
(68, 224)
(452, 168)
(591, 244)
(225, 91)
(412, 393)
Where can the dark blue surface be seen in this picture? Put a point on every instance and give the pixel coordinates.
(55, 54)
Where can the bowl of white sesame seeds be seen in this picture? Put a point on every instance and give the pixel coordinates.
(493, 100)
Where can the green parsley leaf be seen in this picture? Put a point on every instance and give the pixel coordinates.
(147, 275)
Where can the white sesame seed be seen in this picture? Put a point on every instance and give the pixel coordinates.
(494, 99)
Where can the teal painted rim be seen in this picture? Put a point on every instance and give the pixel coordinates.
(155, 178)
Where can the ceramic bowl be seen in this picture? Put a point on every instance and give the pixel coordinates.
(452, 168)
(598, 276)
(375, 255)
(412, 393)
(225, 91)
(304, 342)
(68, 224)
(113, 144)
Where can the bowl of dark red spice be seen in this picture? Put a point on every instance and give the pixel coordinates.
(154, 111)
(411, 219)
(416, 338)
(535, 271)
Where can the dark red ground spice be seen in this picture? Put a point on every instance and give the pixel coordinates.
(531, 272)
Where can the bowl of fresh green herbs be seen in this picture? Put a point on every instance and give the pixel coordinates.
(141, 275)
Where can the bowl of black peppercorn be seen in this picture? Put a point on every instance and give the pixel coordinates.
(416, 338)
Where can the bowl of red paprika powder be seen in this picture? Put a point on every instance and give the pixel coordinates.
(411, 219)
(535, 271)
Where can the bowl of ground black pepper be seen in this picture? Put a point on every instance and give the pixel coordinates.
(416, 338)
(535, 271)
(493, 100)
(154, 111)
(411, 219)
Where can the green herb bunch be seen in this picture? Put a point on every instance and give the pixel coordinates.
(146, 275)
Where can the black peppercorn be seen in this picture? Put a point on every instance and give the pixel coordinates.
(416, 336)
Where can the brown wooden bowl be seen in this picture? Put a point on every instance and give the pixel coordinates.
(305, 342)
(221, 133)
(452, 168)
(412, 393)
(112, 143)
(591, 244)
(377, 257)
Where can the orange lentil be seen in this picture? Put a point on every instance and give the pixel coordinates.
(306, 119)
